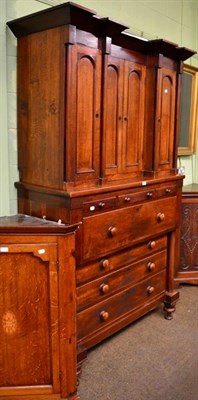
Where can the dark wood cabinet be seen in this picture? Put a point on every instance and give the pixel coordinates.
(37, 308)
(188, 262)
(97, 136)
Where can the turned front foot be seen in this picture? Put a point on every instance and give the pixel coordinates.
(170, 301)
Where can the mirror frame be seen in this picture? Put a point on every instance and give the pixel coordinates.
(190, 113)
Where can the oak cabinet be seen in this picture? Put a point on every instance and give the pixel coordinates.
(97, 136)
(37, 308)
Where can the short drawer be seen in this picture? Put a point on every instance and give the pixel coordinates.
(113, 282)
(115, 307)
(100, 205)
(120, 228)
(166, 191)
(103, 265)
(132, 198)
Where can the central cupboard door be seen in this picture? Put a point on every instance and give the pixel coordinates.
(123, 121)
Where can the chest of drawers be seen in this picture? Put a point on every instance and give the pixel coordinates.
(127, 255)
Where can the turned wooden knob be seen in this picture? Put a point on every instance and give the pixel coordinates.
(101, 204)
(104, 315)
(127, 199)
(168, 190)
(104, 288)
(151, 266)
(112, 230)
(149, 194)
(160, 217)
(150, 289)
(104, 263)
(152, 244)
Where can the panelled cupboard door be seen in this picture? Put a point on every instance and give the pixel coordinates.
(29, 331)
(112, 115)
(133, 117)
(165, 119)
(123, 111)
(83, 91)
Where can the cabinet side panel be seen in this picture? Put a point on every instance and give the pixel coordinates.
(40, 109)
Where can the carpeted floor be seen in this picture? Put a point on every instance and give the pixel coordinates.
(152, 359)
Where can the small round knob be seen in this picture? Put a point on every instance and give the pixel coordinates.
(101, 204)
(104, 263)
(104, 315)
(151, 266)
(152, 244)
(112, 230)
(104, 288)
(127, 199)
(149, 195)
(168, 190)
(150, 289)
(160, 217)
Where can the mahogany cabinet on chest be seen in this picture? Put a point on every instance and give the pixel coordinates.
(37, 309)
(97, 143)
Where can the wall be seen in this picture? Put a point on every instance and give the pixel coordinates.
(173, 20)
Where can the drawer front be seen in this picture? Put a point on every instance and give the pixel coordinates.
(120, 228)
(166, 191)
(96, 317)
(101, 205)
(132, 198)
(106, 264)
(109, 284)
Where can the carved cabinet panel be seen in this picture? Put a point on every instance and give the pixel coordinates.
(188, 262)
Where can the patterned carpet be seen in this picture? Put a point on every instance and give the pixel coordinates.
(152, 359)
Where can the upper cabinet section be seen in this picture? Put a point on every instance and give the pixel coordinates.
(95, 104)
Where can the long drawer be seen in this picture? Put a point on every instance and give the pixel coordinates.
(116, 229)
(100, 267)
(113, 282)
(96, 317)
